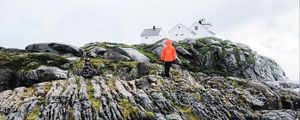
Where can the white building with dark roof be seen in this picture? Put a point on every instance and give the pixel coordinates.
(201, 28)
(152, 35)
(198, 29)
(180, 32)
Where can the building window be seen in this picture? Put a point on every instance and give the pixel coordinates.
(196, 27)
(146, 37)
(182, 34)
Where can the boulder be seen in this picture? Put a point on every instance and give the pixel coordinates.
(267, 69)
(55, 48)
(96, 51)
(115, 56)
(133, 54)
(189, 41)
(183, 51)
(243, 46)
(6, 76)
(212, 41)
(46, 73)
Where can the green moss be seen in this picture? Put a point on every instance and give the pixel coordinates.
(187, 111)
(35, 113)
(117, 65)
(106, 45)
(208, 71)
(149, 114)
(28, 92)
(184, 45)
(78, 82)
(48, 86)
(111, 84)
(96, 103)
(153, 58)
(2, 116)
(71, 113)
(128, 110)
(28, 61)
(78, 64)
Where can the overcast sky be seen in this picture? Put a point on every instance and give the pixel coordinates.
(271, 27)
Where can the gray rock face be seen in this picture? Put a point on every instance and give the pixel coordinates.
(182, 51)
(115, 56)
(96, 51)
(225, 58)
(149, 97)
(55, 48)
(267, 69)
(6, 77)
(136, 90)
(133, 54)
(45, 73)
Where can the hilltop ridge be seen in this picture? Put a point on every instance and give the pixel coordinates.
(211, 79)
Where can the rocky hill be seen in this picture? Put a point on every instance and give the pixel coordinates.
(211, 79)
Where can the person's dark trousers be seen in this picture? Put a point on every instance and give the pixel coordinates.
(167, 68)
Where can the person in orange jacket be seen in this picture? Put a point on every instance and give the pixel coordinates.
(168, 56)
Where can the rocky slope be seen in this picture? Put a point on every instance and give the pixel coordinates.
(212, 79)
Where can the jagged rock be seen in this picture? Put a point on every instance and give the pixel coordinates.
(96, 51)
(189, 41)
(6, 77)
(243, 46)
(133, 54)
(45, 73)
(267, 69)
(143, 69)
(241, 87)
(211, 41)
(55, 48)
(182, 51)
(173, 117)
(115, 56)
(280, 115)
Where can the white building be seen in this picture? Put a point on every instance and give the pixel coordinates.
(201, 29)
(198, 29)
(152, 35)
(180, 32)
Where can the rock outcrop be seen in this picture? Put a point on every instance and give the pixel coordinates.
(214, 79)
(55, 48)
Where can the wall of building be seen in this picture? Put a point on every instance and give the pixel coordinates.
(201, 32)
(179, 33)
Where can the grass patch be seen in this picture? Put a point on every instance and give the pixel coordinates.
(128, 110)
(187, 111)
(149, 114)
(2, 116)
(111, 83)
(184, 45)
(106, 45)
(35, 113)
(96, 103)
(71, 113)
(27, 61)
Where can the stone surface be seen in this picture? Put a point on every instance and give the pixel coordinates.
(222, 81)
(115, 56)
(55, 48)
(133, 54)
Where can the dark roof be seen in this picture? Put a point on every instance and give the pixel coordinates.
(151, 32)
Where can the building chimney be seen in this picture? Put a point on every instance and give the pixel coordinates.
(153, 27)
(200, 21)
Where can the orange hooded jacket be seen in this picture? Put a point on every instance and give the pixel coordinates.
(168, 54)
